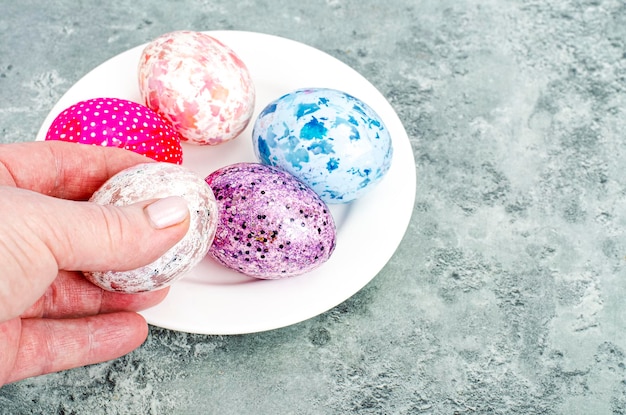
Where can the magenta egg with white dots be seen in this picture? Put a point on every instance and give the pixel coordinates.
(116, 122)
(271, 225)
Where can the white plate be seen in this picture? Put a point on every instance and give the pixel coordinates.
(215, 300)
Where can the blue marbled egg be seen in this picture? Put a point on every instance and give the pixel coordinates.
(330, 140)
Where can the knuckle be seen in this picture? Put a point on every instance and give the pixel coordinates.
(111, 228)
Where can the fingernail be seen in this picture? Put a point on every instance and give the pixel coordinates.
(167, 212)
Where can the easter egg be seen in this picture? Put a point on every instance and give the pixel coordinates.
(271, 225)
(330, 140)
(151, 181)
(115, 122)
(199, 84)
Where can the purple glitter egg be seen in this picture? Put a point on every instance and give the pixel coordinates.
(271, 225)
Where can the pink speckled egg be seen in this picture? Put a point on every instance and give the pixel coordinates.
(271, 225)
(115, 122)
(199, 84)
(151, 181)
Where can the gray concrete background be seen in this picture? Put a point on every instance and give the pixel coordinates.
(506, 295)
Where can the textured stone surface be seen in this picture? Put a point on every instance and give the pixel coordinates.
(506, 295)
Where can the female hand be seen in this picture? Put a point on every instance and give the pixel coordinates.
(51, 318)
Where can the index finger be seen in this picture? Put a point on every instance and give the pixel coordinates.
(72, 296)
(62, 169)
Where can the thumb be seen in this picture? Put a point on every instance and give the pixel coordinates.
(92, 237)
(40, 235)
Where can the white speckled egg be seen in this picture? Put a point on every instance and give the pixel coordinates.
(151, 181)
(271, 225)
(199, 84)
(330, 140)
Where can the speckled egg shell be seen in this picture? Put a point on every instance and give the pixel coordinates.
(151, 181)
(331, 140)
(115, 122)
(271, 224)
(199, 84)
